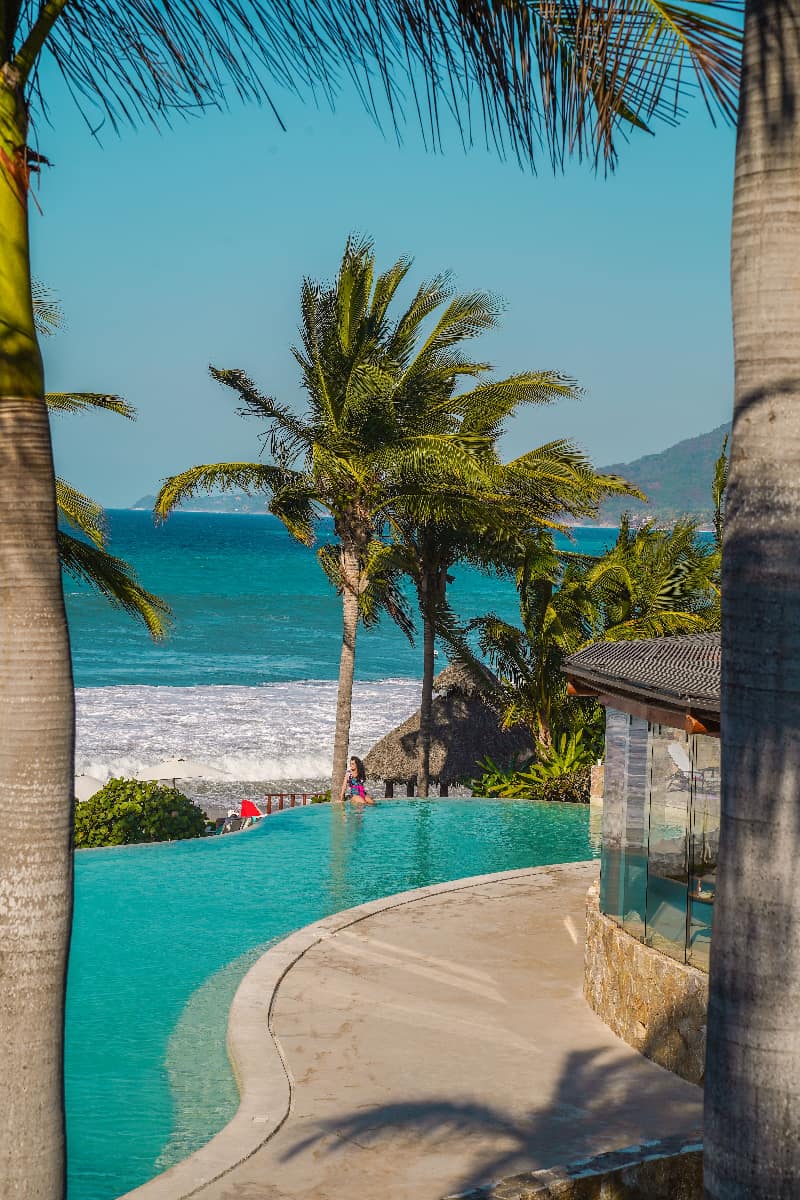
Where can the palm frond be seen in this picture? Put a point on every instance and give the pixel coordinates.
(566, 76)
(73, 402)
(466, 316)
(488, 405)
(115, 580)
(295, 505)
(287, 435)
(48, 315)
(380, 591)
(81, 512)
(223, 477)
(719, 486)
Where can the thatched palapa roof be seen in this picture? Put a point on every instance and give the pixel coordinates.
(465, 729)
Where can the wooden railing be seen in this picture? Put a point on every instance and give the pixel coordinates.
(278, 801)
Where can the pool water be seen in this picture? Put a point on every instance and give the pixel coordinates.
(163, 934)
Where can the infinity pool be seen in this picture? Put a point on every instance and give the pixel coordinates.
(163, 934)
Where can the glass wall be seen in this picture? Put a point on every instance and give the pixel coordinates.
(703, 845)
(660, 834)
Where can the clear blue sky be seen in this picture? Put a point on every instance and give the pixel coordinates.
(171, 250)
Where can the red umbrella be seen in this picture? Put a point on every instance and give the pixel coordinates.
(249, 809)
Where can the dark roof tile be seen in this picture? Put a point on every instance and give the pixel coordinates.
(670, 670)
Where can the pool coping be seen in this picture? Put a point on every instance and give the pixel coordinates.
(259, 1066)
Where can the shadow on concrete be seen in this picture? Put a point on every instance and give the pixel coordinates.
(600, 1102)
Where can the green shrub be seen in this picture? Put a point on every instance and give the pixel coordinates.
(567, 785)
(322, 797)
(127, 811)
(564, 757)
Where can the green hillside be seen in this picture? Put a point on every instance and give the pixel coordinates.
(677, 481)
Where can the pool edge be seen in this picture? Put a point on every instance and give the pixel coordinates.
(262, 1075)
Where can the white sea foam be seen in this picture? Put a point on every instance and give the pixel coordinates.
(277, 733)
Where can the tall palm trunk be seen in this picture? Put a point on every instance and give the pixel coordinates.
(753, 1078)
(426, 702)
(351, 577)
(36, 721)
(432, 588)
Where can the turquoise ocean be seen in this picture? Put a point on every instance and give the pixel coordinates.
(246, 681)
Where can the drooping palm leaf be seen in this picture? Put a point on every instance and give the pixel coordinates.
(73, 402)
(223, 477)
(115, 580)
(81, 512)
(48, 315)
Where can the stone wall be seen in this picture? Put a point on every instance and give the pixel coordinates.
(651, 1001)
(670, 1169)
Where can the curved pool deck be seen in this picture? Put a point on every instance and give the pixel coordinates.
(423, 1044)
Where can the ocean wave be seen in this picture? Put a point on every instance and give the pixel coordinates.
(278, 733)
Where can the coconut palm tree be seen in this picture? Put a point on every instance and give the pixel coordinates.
(557, 616)
(487, 528)
(380, 426)
(651, 583)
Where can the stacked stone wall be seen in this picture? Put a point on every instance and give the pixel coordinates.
(651, 1001)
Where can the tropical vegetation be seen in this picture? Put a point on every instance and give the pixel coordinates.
(127, 811)
(86, 557)
(464, 520)
(369, 429)
(652, 582)
(398, 454)
(562, 773)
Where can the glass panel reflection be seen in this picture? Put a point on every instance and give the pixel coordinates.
(668, 873)
(637, 781)
(703, 846)
(617, 724)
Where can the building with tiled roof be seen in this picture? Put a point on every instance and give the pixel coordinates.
(660, 834)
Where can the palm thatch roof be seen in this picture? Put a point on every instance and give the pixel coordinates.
(465, 729)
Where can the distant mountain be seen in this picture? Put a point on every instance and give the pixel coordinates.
(677, 482)
(227, 503)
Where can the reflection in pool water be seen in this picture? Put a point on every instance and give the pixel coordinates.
(164, 933)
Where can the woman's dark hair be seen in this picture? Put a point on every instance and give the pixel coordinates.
(361, 774)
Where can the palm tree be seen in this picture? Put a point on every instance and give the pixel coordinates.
(654, 583)
(376, 428)
(651, 583)
(487, 528)
(557, 615)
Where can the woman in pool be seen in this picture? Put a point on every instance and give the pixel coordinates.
(353, 783)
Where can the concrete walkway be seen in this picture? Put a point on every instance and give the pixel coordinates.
(446, 1043)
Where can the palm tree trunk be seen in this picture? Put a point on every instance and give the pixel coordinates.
(344, 700)
(426, 701)
(36, 720)
(753, 1073)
